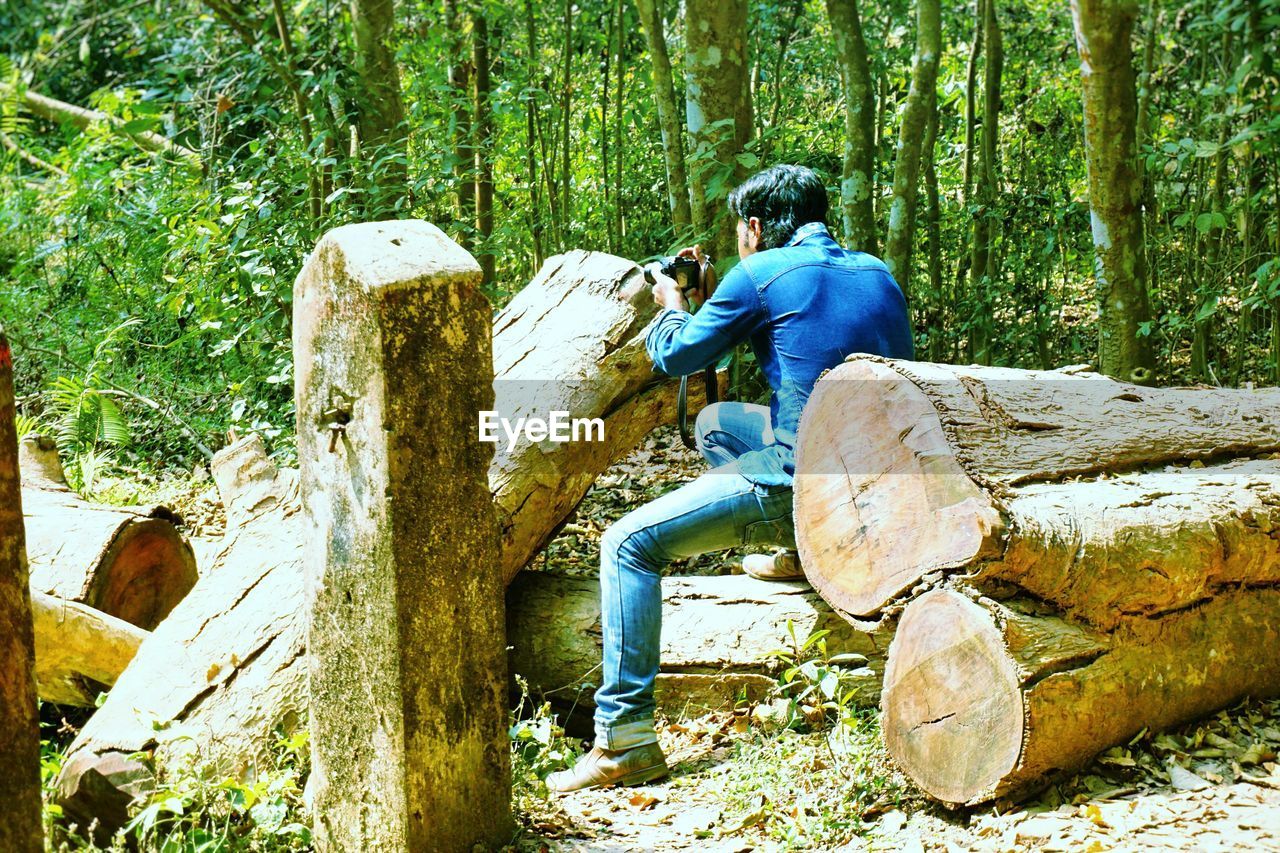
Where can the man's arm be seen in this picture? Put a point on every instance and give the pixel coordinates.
(680, 343)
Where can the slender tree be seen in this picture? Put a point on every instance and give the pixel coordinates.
(670, 119)
(460, 97)
(620, 51)
(531, 131)
(483, 112)
(718, 112)
(921, 105)
(1103, 29)
(382, 124)
(982, 263)
(857, 178)
(933, 216)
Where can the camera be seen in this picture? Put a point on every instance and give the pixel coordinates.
(687, 272)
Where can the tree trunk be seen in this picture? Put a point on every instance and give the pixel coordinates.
(1103, 29)
(566, 114)
(718, 634)
(383, 135)
(964, 273)
(1041, 695)
(619, 164)
(981, 266)
(669, 118)
(916, 118)
(531, 132)
(717, 86)
(484, 144)
(80, 652)
(571, 341)
(20, 818)
(130, 563)
(857, 178)
(460, 96)
(936, 307)
(980, 459)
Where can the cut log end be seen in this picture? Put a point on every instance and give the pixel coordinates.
(880, 498)
(953, 711)
(152, 569)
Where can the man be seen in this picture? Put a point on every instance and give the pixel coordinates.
(805, 304)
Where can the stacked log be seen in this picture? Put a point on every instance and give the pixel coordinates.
(719, 635)
(1074, 558)
(128, 562)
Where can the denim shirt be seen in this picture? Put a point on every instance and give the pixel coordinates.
(805, 307)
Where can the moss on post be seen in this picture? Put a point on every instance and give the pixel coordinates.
(393, 358)
(19, 726)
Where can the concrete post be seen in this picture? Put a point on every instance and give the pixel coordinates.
(20, 828)
(406, 647)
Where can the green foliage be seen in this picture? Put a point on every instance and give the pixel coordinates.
(198, 811)
(538, 745)
(819, 687)
(90, 425)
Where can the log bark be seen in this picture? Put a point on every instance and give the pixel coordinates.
(128, 562)
(717, 636)
(984, 699)
(908, 469)
(223, 671)
(571, 341)
(80, 652)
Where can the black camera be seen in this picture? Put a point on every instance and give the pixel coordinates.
(687, 272)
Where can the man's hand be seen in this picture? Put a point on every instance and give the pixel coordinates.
(708, 278)
(667, 294)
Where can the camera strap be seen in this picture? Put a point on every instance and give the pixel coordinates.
(712, 389)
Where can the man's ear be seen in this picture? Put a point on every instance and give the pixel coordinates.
(754, 229)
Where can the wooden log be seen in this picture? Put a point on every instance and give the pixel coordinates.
(80, 652)
(985, 699)
(407, 679)
(907, 469)
(572, 341)
(20, 813)
(127, 562)
(224, 671)
(717, 637)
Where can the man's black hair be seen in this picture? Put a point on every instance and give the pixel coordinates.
(783, 198)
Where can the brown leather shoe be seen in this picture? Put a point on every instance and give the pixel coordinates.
(781, 565)
(601, 768)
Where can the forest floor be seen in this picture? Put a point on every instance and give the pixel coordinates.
(741, 780)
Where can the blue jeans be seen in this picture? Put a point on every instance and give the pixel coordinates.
(720, 510)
